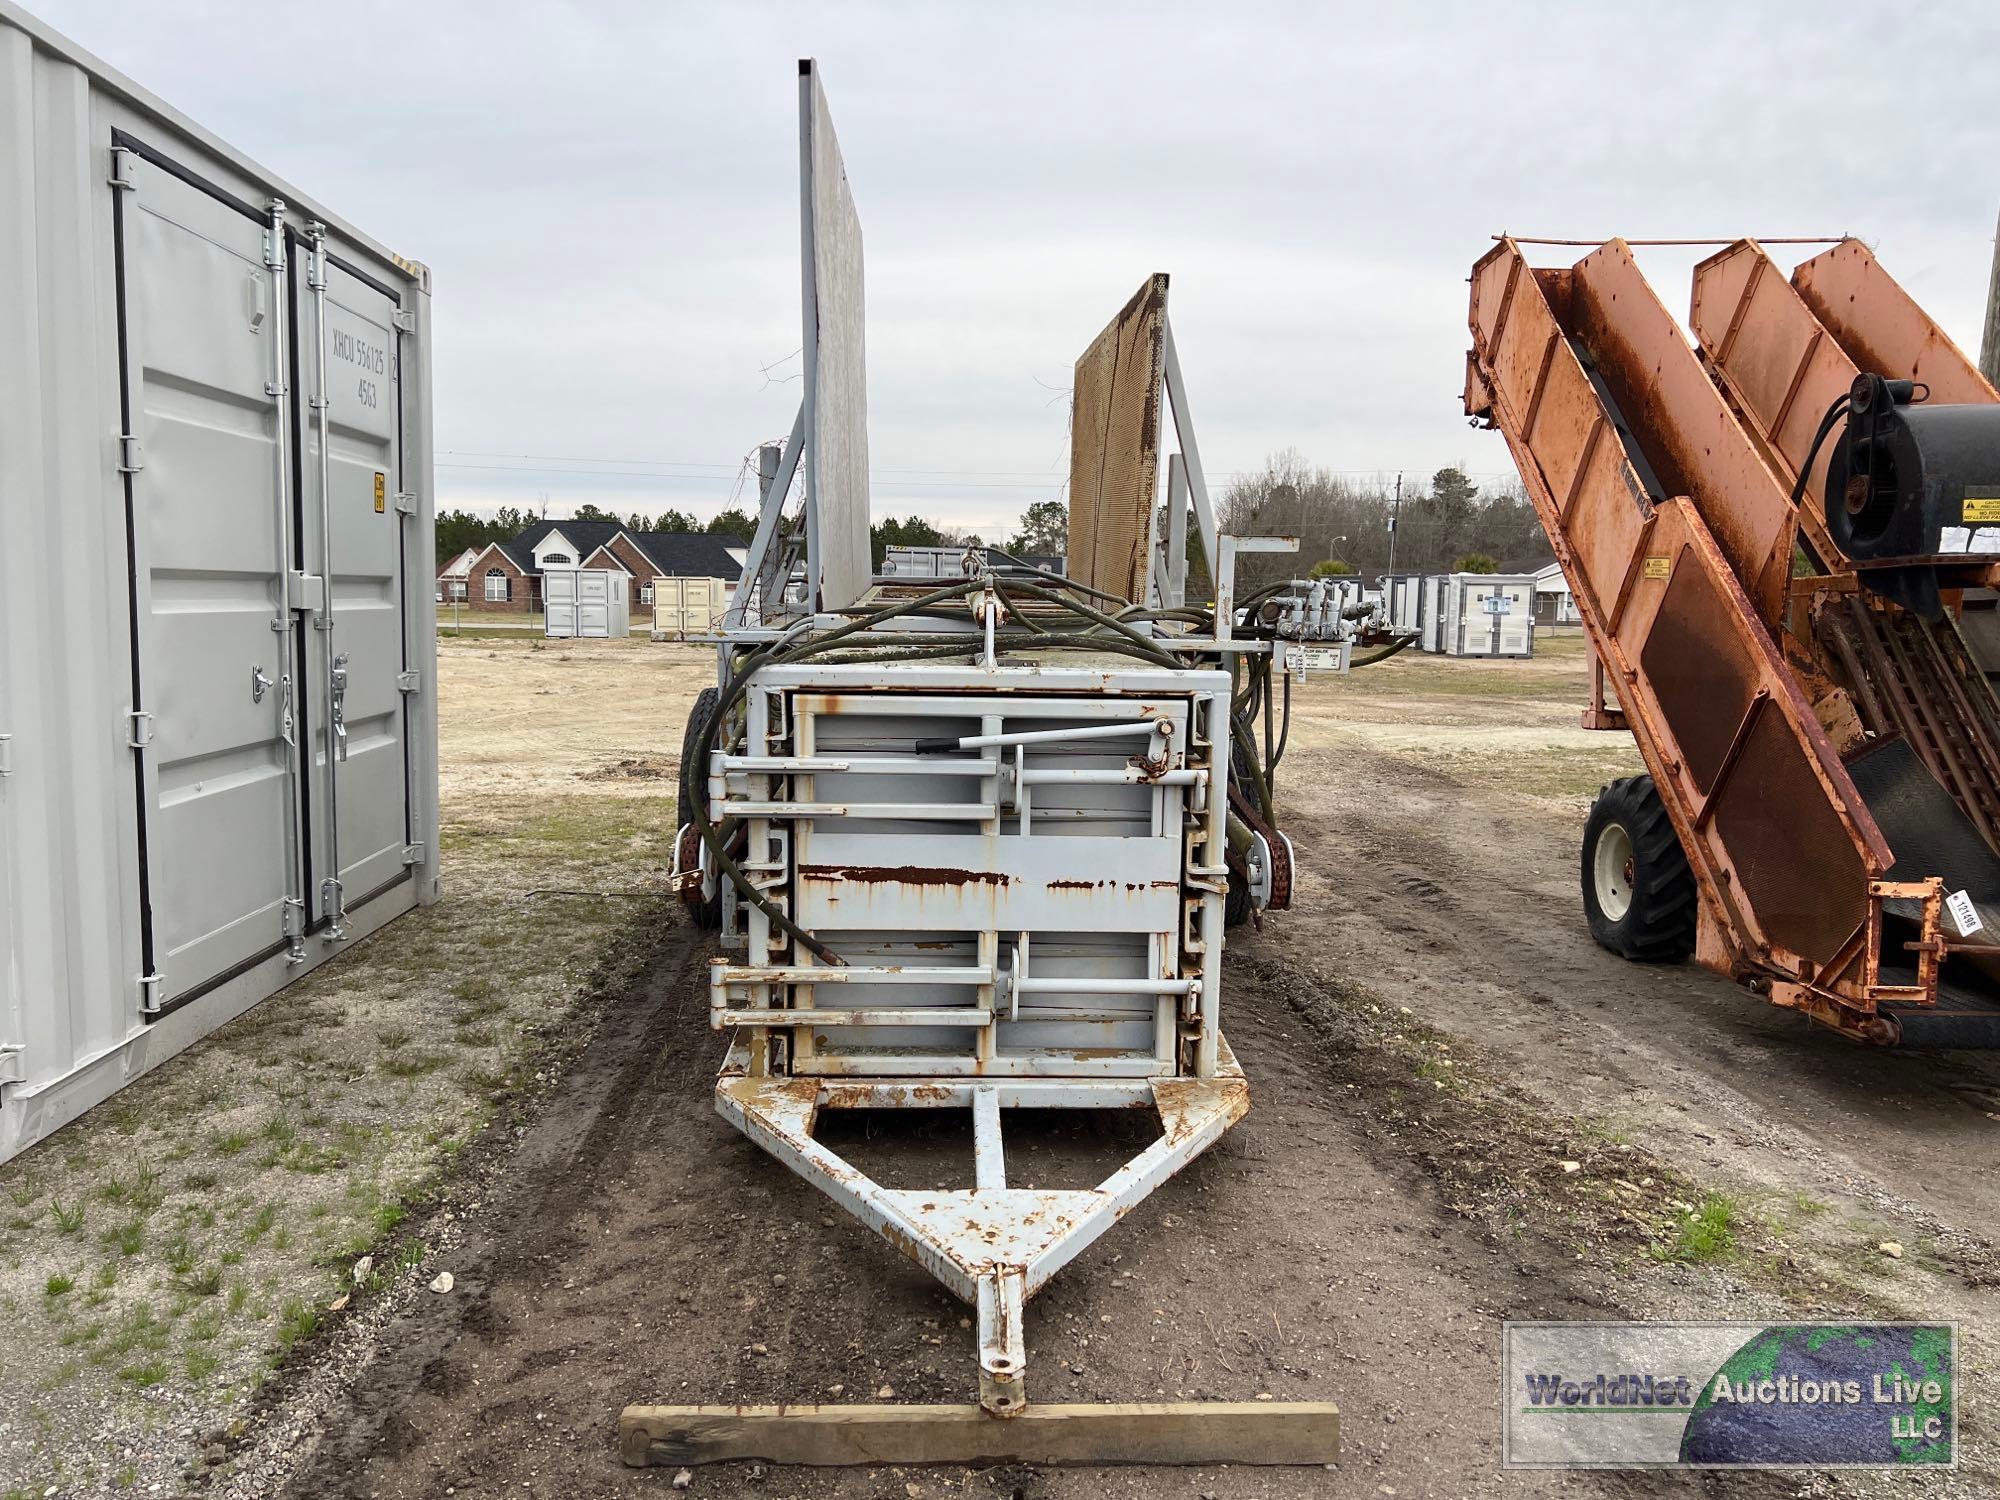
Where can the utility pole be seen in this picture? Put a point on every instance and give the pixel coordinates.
(1395, 512)
(1989, 346)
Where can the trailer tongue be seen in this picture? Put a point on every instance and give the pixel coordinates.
(1766, 537)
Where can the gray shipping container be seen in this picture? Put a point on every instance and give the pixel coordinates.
(215, 566)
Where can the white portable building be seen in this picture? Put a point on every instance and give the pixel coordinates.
(1402, 601)
(592, 604)
(687, 606)
(1482, 614)
(218, 736)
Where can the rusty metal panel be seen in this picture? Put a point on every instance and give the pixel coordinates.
(1881, 329)
(1114, 457)
(1700, 671)
(1796, 863)
(1684, 429)
(1775, 359)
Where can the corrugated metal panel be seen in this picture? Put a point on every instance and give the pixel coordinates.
(137, 910)
(1114, 456)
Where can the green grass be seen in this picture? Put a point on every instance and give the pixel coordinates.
(144, 1373)
(68, 1217)
(200, 1363)
(413, 1064)
(1708, 1234)
(206, 1282)
(394, 1037)
(57, 1286)
(229, 1143)
(127, 1239)
(298, 1320)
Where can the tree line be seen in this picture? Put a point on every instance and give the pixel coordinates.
(460, 529)
(1444, 524)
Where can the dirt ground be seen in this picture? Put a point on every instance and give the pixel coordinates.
(1431, 1040)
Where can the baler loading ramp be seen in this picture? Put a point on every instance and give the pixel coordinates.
(1781, 690)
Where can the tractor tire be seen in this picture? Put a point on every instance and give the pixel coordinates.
(694, 780)
(1638, 891)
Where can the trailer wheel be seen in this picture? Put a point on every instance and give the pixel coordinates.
(1637, 888)
(694, 779)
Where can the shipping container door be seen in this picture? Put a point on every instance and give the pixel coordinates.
(559, 604)
(217, 807)
(352, 534)
(593, 605)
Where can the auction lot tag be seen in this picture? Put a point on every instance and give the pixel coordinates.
(1729, 1395)
(1959, 904)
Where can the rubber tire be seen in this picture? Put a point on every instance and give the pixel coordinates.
(706, 914)
(1659, 926)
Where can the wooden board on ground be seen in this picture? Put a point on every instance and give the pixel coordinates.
(1166, 1432)
(1114, 452)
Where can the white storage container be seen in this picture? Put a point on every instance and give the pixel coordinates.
(687, 606)
(592, 604)
(205, 587)
(1486, 614)
(1402, 595)
(1430, 612)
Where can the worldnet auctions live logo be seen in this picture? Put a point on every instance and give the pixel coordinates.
(1730, 1395)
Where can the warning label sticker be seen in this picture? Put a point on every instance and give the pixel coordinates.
(1659, 567)
(381, 493)
(1982, 503)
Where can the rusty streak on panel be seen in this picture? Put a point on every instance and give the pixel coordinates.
(902, 875)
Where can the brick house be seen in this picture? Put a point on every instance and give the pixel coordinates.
(506, 577)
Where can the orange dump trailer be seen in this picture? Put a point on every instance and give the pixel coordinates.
(1766, 529)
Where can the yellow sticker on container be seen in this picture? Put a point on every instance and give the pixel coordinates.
(1980, 507)
(381, 493)
(1659, 567)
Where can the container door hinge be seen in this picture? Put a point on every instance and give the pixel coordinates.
(142, 729)
(308, 593)
(6, 755)
(13, 1063)
(405, 320)
(123, 159)
(149, 993)
(406, 502)
(131, 458)
(413, 854)
(409, 682)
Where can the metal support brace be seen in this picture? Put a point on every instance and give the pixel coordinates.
(1003, 1356)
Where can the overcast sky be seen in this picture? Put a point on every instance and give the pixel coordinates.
(607, 196)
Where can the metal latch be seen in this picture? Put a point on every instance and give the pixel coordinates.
(404, 319)
(6, 755)
(131, 458)
(13, 1065)
(259, 684)
(339, 679)
(413, 854)
(123, 159)
(409, 682)
(149, 993)
(406, 502)
(308, 592)
(142, 729)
